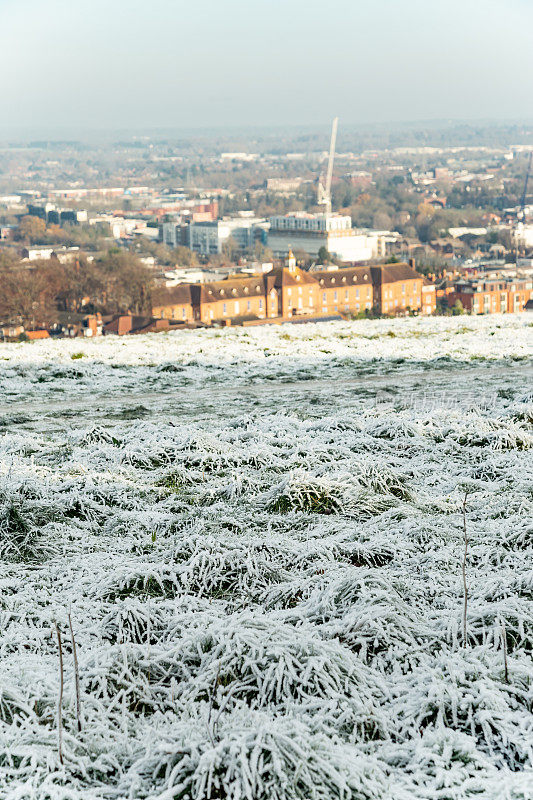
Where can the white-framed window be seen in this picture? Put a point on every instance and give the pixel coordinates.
(357, 293)
(225, 308)
(237, 308)
(249, 305)
(260, 304)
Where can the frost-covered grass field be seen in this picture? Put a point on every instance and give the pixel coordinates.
(259, 538)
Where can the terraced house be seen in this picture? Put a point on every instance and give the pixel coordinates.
(494, 296)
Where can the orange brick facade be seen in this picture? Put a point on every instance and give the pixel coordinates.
(492, 297)
(345, 291)
(290, 292)
(230, 299)
(174, 304)
(399, 289)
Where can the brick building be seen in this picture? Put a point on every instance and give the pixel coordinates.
(174, 304)
(429, 297)
(398, 288)
(345, 290)
(495, 296)
(234, 298)
(289, 291)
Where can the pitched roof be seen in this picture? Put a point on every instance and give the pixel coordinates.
(231, 289)
(174, 295)
(343, 277)
(390, 273)
(283, 276)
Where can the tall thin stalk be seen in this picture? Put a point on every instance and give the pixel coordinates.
(211, 704)
(76, 674)
(465, 555)
(60, 700)
(504, 645)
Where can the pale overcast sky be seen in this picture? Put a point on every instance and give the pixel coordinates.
(170, 63)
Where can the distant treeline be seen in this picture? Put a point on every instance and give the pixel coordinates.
(35, 293)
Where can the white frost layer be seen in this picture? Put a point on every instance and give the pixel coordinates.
(417, 338)
(268, 602)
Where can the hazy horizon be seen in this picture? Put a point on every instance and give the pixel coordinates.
(169, 66)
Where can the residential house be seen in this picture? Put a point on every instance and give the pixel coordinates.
(493, 296)
(397, 288)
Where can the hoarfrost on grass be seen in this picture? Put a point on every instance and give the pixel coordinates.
(258, 535)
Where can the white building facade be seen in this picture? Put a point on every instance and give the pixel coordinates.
(208, 238)
(311, 232)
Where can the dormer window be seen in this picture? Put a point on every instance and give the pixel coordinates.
(333, 280)
(245, 290)
(321, 281)
(344, 279)
(234, 291)
(222, 292)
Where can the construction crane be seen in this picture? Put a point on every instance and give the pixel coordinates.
(521, 213)
(324, 192)
(522, 210)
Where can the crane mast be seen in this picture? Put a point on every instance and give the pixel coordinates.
(521, 214)
(524, 194)
(324, 192)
